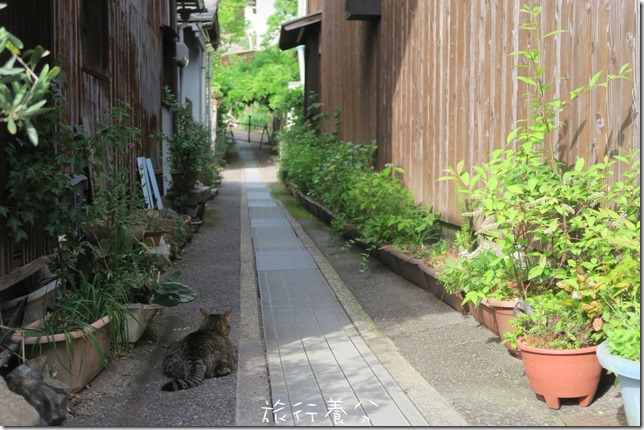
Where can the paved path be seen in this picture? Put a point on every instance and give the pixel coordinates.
(321, 371)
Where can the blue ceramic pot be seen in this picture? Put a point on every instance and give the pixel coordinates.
(628, 373)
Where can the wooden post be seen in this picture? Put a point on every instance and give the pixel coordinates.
(248, 128)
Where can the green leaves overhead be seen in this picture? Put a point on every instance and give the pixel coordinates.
(22, 91)
(263, 79)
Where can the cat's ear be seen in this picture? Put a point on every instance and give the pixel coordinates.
(204, 312)
(227, 314)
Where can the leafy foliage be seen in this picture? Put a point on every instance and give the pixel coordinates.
(117, 200)
(22, 90)
(622, 331)
(230, 14)
(340, 175)
(565, 230)
(263, 79)
(557, 321)
(285, 10)
(190, 141)
(479, 275)
(171, 292)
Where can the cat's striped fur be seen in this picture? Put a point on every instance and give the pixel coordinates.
(205, 353)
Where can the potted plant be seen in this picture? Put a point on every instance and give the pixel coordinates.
(151, 294)
(79, 333)
(153, 233)
(620, 352)
(85, 323)
(128, 268)
(473, 275)
(542, 213)
(187, 145)
(114, 202)
(558, 336)
(595, 297)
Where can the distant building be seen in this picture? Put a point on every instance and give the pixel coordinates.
(257, 13)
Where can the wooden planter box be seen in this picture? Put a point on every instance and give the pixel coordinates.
(414, 270)
(387, 254)
(484, 315)
(453, 299)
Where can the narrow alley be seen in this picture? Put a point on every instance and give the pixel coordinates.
(320, 341)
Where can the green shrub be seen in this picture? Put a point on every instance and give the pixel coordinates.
(340, 175)
(565, 230)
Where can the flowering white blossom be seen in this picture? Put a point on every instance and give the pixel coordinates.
(488, 224)
(592, 199)
(473, 214)
(539, 201)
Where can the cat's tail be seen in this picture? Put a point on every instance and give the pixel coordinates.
(195, 377)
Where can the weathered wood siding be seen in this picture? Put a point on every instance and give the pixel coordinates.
(135, 67)
(135, 64)
(434, 83)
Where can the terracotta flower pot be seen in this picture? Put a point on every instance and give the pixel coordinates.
(562, 374)
(153, 238)
(75, 369)
(503, 313)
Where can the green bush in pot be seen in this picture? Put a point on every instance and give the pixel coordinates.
(479, 275)
(536, 208)
(189, 145)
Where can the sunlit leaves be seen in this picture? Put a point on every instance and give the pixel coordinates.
(22, 91)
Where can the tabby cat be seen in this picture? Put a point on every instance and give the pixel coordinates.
(205, 353)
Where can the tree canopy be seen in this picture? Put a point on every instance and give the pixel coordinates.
(231, 18)
(240, 82)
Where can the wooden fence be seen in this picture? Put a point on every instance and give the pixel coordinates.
(434, 82)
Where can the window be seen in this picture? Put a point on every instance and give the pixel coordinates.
(169, 64)
(95, 37)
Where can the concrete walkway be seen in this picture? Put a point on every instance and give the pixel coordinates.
(321, 371)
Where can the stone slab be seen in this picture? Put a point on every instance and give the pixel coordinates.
(284, 260)
(266, 212)
(198, 195)
(14, 409)
(277, 243)
(321, 371)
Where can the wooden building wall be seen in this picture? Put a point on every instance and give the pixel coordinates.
(134, 76)
(434, 83)
(135, 64)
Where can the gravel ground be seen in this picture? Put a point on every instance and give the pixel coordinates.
(128, 393)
